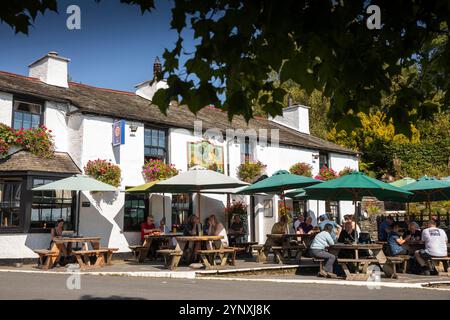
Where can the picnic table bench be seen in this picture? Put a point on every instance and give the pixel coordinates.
(140, 252)
(47, 258)
(209, 256)
(441, 264)
(246, 246)
(171, 257)
(91, 258)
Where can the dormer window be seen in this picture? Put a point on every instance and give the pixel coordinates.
(26, 115)
(248, 151)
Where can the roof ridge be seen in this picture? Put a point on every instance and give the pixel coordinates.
(19, 76)
(129, 93)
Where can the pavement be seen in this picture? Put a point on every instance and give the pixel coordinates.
(20, 286)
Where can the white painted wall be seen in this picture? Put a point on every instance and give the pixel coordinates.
(56, 121)
(6, 108)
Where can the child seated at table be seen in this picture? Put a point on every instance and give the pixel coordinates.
(396, 242)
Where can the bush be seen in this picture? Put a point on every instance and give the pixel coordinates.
(155, 169)
(301, 169)
(104, 171)
(250, 171)
(346, 171)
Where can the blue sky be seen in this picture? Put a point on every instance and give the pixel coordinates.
(115, 47)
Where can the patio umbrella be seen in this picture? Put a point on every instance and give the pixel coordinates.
(279, 182)
(77, 183)
(428, 189)
(353, 187)
(195, 180)
(299, 193)
(401, 183)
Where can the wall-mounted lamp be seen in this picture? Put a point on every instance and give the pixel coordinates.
(133, 128)
(315, 157)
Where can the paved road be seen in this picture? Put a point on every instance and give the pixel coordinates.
(42, 286)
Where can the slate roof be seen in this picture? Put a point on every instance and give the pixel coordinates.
(127, 105)
(24, 161)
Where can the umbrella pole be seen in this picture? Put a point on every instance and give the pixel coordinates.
(78, 211)
(164, 207)
(356, 218)
(198, 205)
(429, 206)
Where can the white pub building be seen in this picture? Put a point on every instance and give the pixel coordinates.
(81, 118)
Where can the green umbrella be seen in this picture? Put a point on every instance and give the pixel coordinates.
(77, 183)
(297, 194)
(353, 187)
(428, 189)
(279, 182)
(143, 188)
(402, 182)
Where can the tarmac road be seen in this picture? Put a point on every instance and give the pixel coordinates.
(50, 286)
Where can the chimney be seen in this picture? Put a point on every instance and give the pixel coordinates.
(295, 116)
(148, 88)
(157, 68)
(51, 69)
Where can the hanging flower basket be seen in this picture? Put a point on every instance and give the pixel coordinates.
(302, 169)
(326, 174)
(38, 141)
(156, 169)
(250, 171)
(104, 171)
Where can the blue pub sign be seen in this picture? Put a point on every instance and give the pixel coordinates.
(118, 132)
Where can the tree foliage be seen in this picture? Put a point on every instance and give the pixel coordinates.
(318, 44)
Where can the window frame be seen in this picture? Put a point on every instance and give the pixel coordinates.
(25, 99)
(20, 227)
(165, 149)
(26, 198)
(327, 163)
(146, 211)
(48, 228)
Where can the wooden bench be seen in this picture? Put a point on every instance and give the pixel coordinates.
(139, 252)
(247, 246)
(109, 254)
(209, 256)
(260, 254)
(47, 258)
(236, 250)
(393, 261)
(441, 264)
(279, 251)
(171, 257)
(84, 258)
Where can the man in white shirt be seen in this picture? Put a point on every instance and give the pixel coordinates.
(435, 244)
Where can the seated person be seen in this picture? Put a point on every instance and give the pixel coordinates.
(355, 226)
(280, 227)
(236, 230)
(413, 232)
(396, 242)
(348, 235)
(318, 250)
(435, 245)
(306, 226)
(192, 226)
(163, 227)
(216, 228)
(385, 228)
(148, 227)
(324, 219)
(298, 221)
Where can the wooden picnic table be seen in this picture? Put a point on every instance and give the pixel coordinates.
(64, 244)
(141, 251)
(184, 241)
(377, 257)
(279, 243)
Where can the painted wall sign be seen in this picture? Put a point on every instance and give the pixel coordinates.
(118, 133)
(206, 155)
